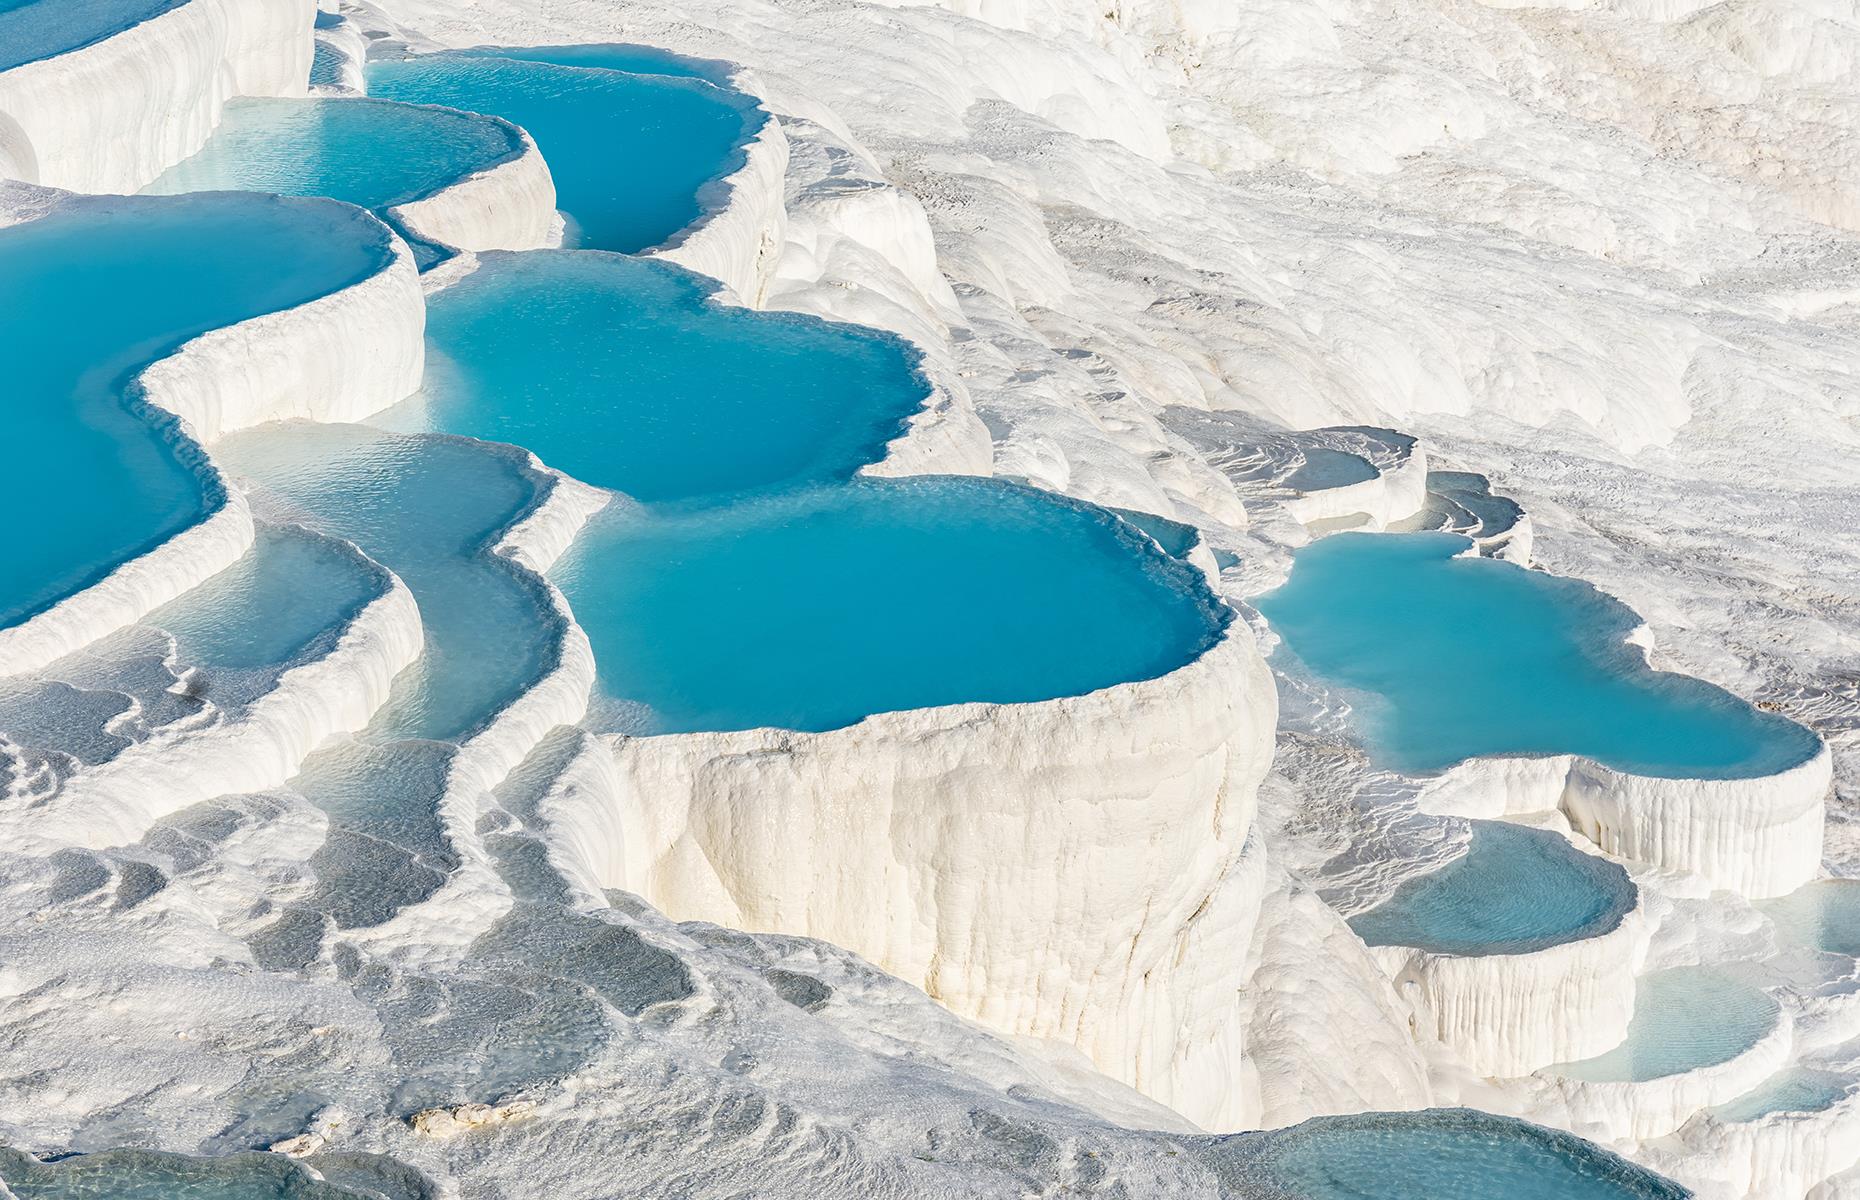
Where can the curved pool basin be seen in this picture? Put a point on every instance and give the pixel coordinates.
(625, 374)
(813, 609)
(1436, 1154)
(152, 1175)
(612, 56)
(629, 152)
(372, 153)
(1823, 915)
(1514, 891)
(1797, 1090)
(1684, 1019)
(35, 29)
(115, 285)
(1450, 658)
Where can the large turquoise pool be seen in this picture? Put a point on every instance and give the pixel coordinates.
(629, 152)
(1437, 1154)
(1449, 658)
(1515, 890)
(35, 29)
(813, 609)
(1684, 1019)
(89, 477)
(624, 374)
(372, 153)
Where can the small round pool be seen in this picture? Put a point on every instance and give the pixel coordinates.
(1794, 1091)
(1684, 1019)
(1823, 915)
(1450, 658)
(629, 152)
(1437, 1154)
(1515, 890)
(811, 610)
(624, 374)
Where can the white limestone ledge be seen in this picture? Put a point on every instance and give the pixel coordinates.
(111, 116)
(1044, 868)
(507, 206)
(339, 357)
(1507, 1015)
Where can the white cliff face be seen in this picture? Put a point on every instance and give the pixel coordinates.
(510, 206)
(112, 115)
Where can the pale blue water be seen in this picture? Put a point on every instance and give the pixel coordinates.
(1793, 1091)
(1685, 1018)
(149, 1175)
(1823, 915)
(115, 285)
(623, 374)
(1325, 468)
(372, 153)
(1515, 890)
(612, 56)
(35, 29)
(1461, 657)
(1437, 1154)
(427, 508)
(811, 610)
(629, 152)
(326, 63)
(287, 599)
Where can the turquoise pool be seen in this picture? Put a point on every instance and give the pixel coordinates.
(35, 29)
(1823, 915)
(624, 374)
(629, 152)
(1515, 890)
(372, 153)
(115, 285)
(1450, 658)
(812, 609)
(1437, 1154)
(1793, 1091)
(611, 56)
(1684, 1019)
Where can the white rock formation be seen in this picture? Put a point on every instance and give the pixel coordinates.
(112, 115)
(508, 206)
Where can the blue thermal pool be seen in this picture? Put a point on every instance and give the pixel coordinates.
(1684, 1019)
(1437, 1154)
(622, 373)
(371, 153)
(1325, 468)
(428, 509)
(611, 56)
(115, 285)
(150, 1175)
(1823, 915)
(629, 152)
(1515, 890)
(810, 610)
(1797, 1090)
(1450, 658)
(35, 29)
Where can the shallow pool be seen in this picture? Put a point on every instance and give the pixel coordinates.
(811, 610)
(35, 29)
(371, 153)
(1823, 915)
(116, 284)
(1449, 658)
(1515, 890)
(623, 374)
(1793, 1091)
(1438, 1154)
(1684, 1019)
(629, 152)
(612, 56)
(1324, 468)
(150, 1175)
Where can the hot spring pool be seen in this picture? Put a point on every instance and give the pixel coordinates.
(1438, 1154)
(1792, 1091)
(1515, 890)
(1684, 1019)
(371, 153)
(629, 152)
(1823, 915)
(35, 29)
(115, 285)
(1452, 658)
(623, 374)
(810, 610)
(150, 1175)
